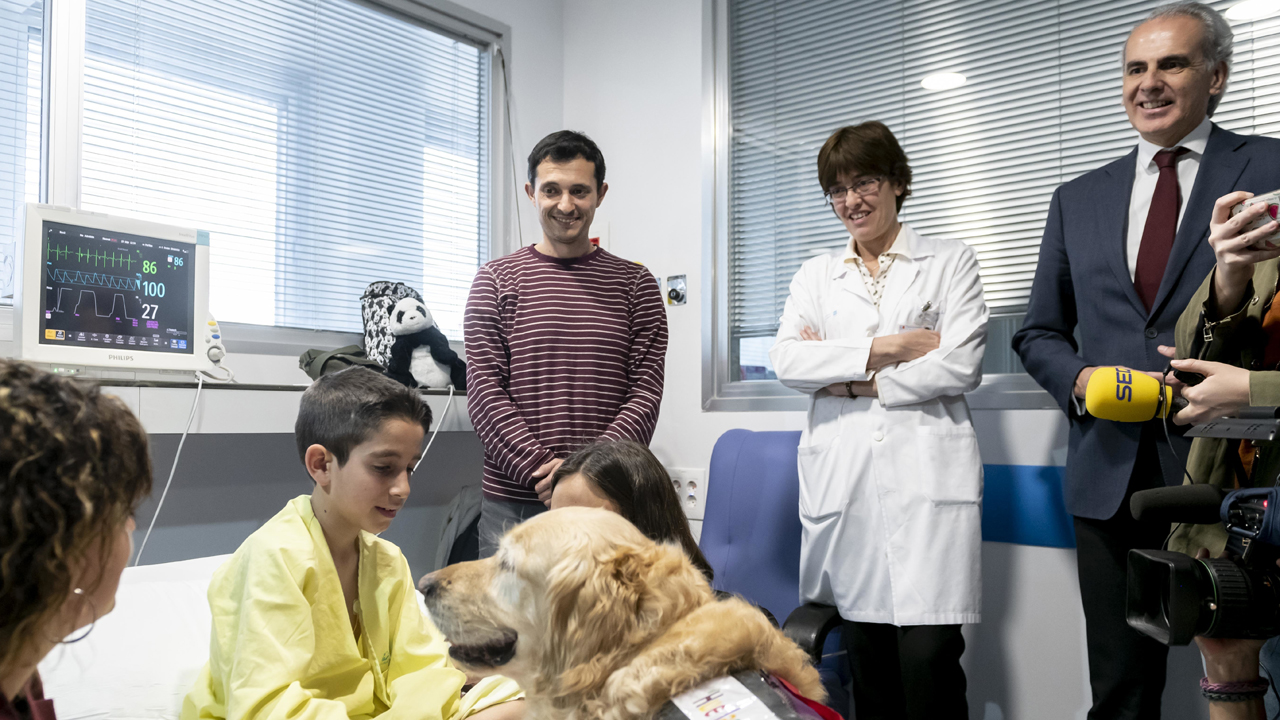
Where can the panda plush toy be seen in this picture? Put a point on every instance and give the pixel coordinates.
(420, 353)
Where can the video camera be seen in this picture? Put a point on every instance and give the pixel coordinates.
(1173, 597)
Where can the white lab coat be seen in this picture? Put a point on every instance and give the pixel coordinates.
(890, 488)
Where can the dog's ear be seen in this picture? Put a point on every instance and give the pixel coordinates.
(594, 617)
(672, 589)
(638, 594)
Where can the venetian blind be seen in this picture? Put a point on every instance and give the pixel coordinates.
(1041, 106)
(21, 64)
(324, 143)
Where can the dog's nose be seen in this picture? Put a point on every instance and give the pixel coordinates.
(429, 586)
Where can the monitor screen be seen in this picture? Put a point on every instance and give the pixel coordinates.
(106, 289)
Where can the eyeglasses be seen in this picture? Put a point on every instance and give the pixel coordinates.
(866, 187)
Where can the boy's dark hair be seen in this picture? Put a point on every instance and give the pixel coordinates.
(866, 149)
(563, 146)
(343, 409)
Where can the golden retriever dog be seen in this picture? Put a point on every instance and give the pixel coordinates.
(594, 620)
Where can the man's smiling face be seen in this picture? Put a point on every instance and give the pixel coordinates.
(1167, 80)
(567, 198)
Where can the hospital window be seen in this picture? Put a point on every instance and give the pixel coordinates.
(324, 144)
(21, 136)
(1040, 106)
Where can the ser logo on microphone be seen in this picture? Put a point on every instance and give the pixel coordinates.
(1124, 384)
(1126, 395)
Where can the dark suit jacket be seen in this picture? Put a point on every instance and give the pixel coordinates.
(1082, 285)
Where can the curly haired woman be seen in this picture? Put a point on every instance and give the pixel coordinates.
(74, 465)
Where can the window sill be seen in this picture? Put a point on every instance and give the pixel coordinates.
(1004, 391)
(1010, 391)
(269, 340)
(245, 338)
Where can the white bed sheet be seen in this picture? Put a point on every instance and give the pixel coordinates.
(142, 658)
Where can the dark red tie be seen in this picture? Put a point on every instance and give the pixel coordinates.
(1162, 225)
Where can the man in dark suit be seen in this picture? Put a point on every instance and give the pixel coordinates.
(1124, 249)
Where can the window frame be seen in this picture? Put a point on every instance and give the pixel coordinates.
(62, 142)
(721, 392)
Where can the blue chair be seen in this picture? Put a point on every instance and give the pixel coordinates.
(751, 537)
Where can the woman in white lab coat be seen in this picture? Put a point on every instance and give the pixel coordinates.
(886, 334)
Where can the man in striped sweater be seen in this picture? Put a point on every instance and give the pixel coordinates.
(565, 342)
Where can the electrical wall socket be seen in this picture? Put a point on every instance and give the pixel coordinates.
(691, 488)
(677, 290)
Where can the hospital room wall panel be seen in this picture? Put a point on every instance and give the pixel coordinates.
(228, 484)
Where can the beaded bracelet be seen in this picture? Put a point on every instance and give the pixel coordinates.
(1234, 691)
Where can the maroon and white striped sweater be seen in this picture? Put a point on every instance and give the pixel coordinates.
(560, 353)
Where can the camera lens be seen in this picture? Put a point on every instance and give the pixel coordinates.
(1166, 594)
(1246, 599)
(1173, 597)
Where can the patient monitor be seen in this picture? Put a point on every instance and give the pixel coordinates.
(98, 291)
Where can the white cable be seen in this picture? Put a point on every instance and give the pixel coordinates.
(508, 104)
(194, 404)
(439, 424)
(230, 378)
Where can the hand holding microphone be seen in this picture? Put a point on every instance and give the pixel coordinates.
(1224, 392)
(1125, 395)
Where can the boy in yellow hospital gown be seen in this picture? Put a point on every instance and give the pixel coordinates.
(315, 617)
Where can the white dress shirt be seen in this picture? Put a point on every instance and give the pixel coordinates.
(1144, 184)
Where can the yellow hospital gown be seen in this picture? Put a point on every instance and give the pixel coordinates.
(282, 644)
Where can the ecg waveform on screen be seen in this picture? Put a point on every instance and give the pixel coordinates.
(76, 277)
(99, 258)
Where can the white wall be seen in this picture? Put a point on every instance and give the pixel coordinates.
(537, 62)
(537, 78)
(633, 82)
